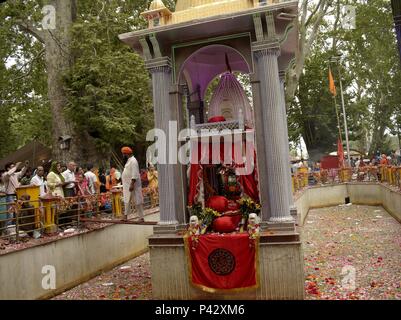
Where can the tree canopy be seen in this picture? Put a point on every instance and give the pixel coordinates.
(104, 89)
(370, 72)
(91, 85)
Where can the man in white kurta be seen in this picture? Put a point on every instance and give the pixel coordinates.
(131, 181)
(37, 180)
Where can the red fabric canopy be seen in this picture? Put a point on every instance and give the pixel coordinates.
(223, 153)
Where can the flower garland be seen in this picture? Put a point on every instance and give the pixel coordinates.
(205, 215)
(247, 206)
(208, 215)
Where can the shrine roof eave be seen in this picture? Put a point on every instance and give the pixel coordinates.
(226, 24)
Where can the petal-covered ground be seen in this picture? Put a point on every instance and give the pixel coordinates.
(352, 252)
(129, 281)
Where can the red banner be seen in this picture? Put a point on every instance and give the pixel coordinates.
(340, 153)
(219, 262)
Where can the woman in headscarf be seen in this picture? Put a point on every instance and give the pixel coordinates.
(82, 188)
(55, 180)
(111, 179)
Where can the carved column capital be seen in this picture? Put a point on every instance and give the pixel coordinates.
(162, 64)
(265, 48)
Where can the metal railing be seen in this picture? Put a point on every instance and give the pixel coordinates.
(20, 219)
(390, 175)
(32, 218)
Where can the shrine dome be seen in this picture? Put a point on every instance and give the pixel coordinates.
(156, 4)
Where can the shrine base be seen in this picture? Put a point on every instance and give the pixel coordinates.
(281, 269)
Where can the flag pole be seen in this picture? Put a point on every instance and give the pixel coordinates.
(335, 103)
(338, 118)
(345, 118)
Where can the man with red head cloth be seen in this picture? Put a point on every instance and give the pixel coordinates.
(131, 181)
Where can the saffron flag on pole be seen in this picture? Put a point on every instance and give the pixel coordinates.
(340, 153)
(222, 262)
(332, 87)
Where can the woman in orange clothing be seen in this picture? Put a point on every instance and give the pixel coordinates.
(383, 160)
(153, 185)
(111, 179)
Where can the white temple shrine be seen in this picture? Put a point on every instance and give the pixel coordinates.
(239, 151)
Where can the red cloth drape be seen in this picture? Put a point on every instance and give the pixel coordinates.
(202, 153)
(194, 181)
(222, 261)
(250, 187)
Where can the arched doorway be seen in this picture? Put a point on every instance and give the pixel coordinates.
(200, 68)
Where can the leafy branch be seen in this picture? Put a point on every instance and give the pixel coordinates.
(31, 63)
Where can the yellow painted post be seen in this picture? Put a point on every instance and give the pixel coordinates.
(116, 202)
(299, 180)
(304, 176)
(390, 175)
(387, 168)
(345, 174)
(33, 192)
(398, 177)
(393, 173)
(395, 176)
(48, 202)
(385, 175)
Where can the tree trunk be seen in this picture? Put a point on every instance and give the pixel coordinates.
(59, 59)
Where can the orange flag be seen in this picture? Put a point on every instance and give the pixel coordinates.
(332, 87)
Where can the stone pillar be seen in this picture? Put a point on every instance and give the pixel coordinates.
(260, 147)
(293, 209)
(275, 141)
(176, 105)
(160, 70)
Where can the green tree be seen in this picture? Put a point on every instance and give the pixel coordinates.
(76, 79)
(108, 86)
(23, 108)
(370, 77)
